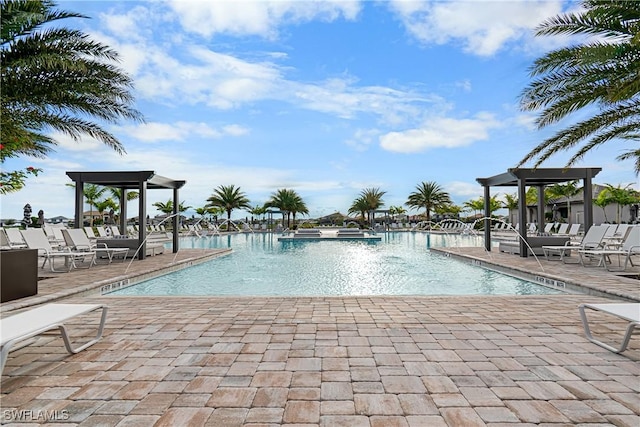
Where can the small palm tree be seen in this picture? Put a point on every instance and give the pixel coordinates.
(373, 199)
(92, 194)
(621, 196)
(289, 203)
(510, 203)
(229, 198)
(567, 190)
(359, 206)
(428, 195)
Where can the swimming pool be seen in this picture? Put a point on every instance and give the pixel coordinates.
(400, 264)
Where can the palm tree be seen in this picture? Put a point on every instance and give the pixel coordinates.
(510, 203)
(116, 195)
(289, 203)
(228, 197)
(475, 205)
(621, 196)
(601, 71)
(92, 194)
(55, 78)
(167, 208)
(360, 206)
(567, 190)
(372, 198)
(428, 195)
(103, 205)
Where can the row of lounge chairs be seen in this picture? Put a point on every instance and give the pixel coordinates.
(599, 245)
(75, 249)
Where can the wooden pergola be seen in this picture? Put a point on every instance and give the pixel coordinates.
(124, 181)
(539, 178)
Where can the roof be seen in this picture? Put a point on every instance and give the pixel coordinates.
(539, 176)
(130, 180)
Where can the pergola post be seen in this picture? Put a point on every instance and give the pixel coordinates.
(541, 207)
(78, 221)
(487, 220)
(588, 201)
(142, 215)
(522, 216)
(176, 231)
(123, 212)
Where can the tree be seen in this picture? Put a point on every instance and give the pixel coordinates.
(475, 205)
(92, 194)
(360, 206)
(103, 205)
(167, 208)
(116, 197)
(602, 71)
(373, 199)
(229, 198)
(54, 78)
(289, 203)
(621, 196)
(510, 203)
(564, 190)
(428, 195)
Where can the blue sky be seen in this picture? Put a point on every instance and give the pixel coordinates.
(323, 97)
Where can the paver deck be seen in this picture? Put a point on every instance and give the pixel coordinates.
(329, 361)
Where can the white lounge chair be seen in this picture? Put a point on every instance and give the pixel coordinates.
(630, 247)
(591, 240)
(28, 324)
(78, 240)
(626, 311)
(36, 239)
(15, 238)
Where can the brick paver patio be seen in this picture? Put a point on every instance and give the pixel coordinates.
(329, 361)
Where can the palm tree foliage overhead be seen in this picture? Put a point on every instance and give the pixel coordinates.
(228, 197)
(56, 79)
(428, 195)
(603, 71)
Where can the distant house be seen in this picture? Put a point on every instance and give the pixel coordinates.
(59, 220)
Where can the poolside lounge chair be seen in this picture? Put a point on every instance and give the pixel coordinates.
(15, 238)
(36, 239)
(591, 240)
(28, 324)
(626, 311)
(78, 240)
(630, 247)
(6, 243)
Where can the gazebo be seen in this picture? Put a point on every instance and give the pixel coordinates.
(540, 178)
(124, 181)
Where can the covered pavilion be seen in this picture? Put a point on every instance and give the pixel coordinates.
(125, 181)
(539, 177)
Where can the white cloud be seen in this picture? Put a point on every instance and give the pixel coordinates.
(261, 18)
(440, 132)
(180, 131)
(483, 27)
(362, 139)
(464, 189)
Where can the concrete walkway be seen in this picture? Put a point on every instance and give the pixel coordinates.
(330, 361)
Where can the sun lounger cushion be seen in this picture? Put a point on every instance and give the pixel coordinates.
(28, 324)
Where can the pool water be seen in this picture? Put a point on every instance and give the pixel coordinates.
(400, 264)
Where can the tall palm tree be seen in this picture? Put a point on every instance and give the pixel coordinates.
(428, 195)
(373, 200)
(602, 71)
(229, 198)
(55, 78)
(289, 203)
